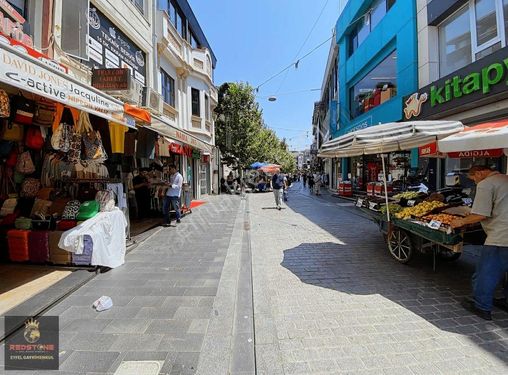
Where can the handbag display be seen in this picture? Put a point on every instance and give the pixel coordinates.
(30, 187)
(40, 208)
(45, 114)
(23, 110)
(12, 132)
(34, 139)
(88, 210)
(25, 164)
(9, 206)
(71, 210)
(5, 105)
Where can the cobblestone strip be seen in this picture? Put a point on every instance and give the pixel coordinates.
(217, 347)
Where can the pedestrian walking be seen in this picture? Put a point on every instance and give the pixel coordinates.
(310, 180)
(278, 189)
(304, 178)
(490, 208)
(172, 198)
(317, 183)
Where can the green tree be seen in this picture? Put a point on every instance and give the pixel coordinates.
(241, 134)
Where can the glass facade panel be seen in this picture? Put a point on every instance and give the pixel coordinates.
(377, 87)
(455, 42)
(486, 23)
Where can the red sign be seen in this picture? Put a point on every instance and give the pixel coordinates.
(494, 153)
(175, 148)
(427, 150)
(111, 79)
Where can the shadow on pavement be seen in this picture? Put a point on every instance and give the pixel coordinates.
(363, 266)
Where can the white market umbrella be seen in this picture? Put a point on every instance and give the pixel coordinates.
(487, 136)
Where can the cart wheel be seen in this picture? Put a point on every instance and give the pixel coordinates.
(401, 246)
(448, 255)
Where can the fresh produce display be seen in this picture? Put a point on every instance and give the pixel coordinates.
(419, 210)
(443, 218)
(407, 195)
(394, 208)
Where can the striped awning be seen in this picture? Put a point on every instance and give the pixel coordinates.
(389, 137)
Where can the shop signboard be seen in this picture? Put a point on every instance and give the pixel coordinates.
(482, 82)
(110, 48)
(494, 153)
(28, 74)
(111, 79)
(428, 150)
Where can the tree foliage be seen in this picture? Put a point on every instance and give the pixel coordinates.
(241, 134)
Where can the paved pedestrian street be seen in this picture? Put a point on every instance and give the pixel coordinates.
(329, 299)
(242, 288)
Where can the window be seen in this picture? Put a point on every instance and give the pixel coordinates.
(207, 107)
(377, 87)
(486, 24)
(455, 42)
(139, 4)
(177, 19)
(193, 41)
(75, 28)
(196, 107)
(19, 6)
(368, 22)
(168, 88)
(473, 32)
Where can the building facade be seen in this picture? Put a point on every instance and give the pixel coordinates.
(377, 66)
(462, 50)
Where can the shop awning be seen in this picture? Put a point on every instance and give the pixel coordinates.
(488, 136)
(28, 73)
(395, 136)
(165, 129)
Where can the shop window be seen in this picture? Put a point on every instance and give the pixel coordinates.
(377, 87)
(75, 28)
(368, 22)
(168, 88)
(196, 106)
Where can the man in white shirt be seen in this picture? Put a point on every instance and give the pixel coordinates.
(172, 198)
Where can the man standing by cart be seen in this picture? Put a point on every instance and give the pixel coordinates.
(490, 208)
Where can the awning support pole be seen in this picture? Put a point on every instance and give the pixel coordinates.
(386, 187)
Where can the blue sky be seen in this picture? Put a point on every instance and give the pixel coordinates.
(255, 39)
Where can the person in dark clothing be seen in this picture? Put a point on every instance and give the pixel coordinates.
(304, 178)
(142, 189)
(310, 180)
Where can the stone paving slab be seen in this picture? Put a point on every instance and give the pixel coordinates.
(329, 299)
(162, 296)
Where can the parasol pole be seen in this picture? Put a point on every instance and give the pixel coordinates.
(386, 187)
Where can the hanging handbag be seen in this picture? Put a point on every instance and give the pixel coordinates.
(25, 164)
(8, 206)
(94, 150)
(34, 139)
(83, 125)
(45, 114)
(12, 132)
(12, 158)
(5, 105)
(30, 187)
(61, 138)
(23, 110)
(71, 210)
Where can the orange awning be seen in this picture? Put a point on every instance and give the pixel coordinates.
(139, 114)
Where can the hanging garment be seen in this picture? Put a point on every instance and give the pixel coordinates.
(117, 135)
(117, 189)
(146, 144)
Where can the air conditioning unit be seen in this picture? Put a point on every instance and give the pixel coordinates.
(133, 95)
(153, 101)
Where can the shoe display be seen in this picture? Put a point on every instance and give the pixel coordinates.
(471, 307)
